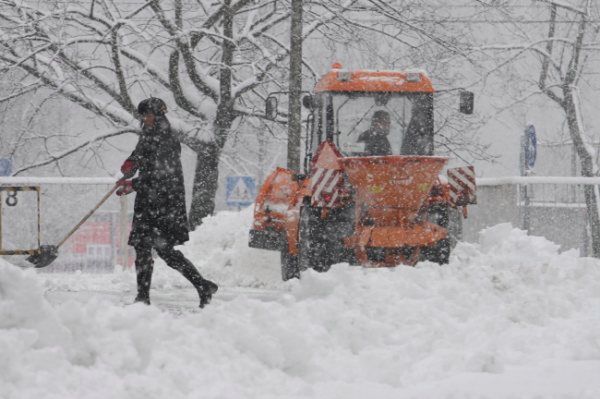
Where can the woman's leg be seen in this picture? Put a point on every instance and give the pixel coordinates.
(177, 261)
(144, 265)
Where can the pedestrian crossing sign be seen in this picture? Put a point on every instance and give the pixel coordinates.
(240, 191)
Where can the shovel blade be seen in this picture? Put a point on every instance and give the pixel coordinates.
(46, 255)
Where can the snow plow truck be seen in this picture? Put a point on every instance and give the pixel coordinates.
(371, 192)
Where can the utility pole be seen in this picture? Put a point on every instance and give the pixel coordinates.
(295, 88)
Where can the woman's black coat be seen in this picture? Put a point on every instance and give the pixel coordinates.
(160, 216)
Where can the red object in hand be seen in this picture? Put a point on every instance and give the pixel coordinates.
(125, 187)
(128, 168)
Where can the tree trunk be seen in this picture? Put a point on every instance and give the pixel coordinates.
(591, 202)
(295, 87)
(206, 176)
(587, 168)
(206, 179)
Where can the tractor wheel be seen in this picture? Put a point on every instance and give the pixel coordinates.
(455, 226)
(438, 253)
(340, 224)
(312, 245)
(448, 218)
(289, 266)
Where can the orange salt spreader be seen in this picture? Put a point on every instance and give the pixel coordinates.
(372, 193)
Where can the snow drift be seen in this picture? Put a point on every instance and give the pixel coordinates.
(509, 317)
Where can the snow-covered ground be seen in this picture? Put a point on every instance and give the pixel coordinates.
(510, 317)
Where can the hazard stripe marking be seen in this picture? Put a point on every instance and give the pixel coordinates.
(323, 181)
(462, 184)
(335, 195)
(455, 186)
(466, 174)
(316, 178)
(463, 181)
(335, 180)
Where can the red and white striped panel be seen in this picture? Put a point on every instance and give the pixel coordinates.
(324, 186)
(462, 185)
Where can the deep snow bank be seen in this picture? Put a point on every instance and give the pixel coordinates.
(509, 317)
(219, 247)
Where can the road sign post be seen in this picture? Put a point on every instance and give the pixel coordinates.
(527, 162)
(5, 167)
(530, 149)
(240, 191)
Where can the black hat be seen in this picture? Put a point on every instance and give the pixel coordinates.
(381, 116)
(152, 105)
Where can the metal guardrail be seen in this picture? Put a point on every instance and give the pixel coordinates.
(56, 180)
(498, 181)
(549, 206)
(554, 191)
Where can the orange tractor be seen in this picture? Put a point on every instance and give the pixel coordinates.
(371, 192)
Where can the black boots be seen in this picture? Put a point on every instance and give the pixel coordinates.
(145, 299)
(144, 278)
(143, 268)
(206, 289)
(176, 260)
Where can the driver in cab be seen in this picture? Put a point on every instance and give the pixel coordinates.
(375, 138)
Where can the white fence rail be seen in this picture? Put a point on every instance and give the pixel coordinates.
(85, 181)
(517, 180)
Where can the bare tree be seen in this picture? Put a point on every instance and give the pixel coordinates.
(214, 61)
(562, 55)
(409, 34)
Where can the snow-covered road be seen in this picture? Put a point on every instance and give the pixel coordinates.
(510, 317)
(176, 301)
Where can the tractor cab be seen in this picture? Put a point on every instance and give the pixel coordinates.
(372, 113)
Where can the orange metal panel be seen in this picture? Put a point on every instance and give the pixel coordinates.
(373, 81)
(277, 206)
(396, 181)
(422, 234)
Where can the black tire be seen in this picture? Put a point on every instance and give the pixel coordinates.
(312, 243)
(289, 266)
(455, 226)
(340, 225)
(439, 252)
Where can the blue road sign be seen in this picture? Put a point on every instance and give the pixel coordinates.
(530, 147)
(240, 190)
(5, 167)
